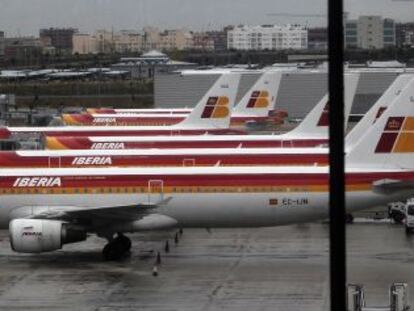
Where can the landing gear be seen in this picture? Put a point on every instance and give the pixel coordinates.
(398, 217)
(349, 219)
(117, 248)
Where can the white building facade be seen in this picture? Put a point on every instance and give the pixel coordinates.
(103, 41)
(84, 43)
(268, 37)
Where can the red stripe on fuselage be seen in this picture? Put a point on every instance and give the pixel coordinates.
(119, 120)
(12, 159)
(215, 180)
(148, 111)
(86, 143)
(132, 132)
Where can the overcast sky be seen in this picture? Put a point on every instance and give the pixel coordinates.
(25, 17)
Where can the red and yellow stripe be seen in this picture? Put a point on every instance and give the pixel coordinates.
(10, 159)
(200, 183)
(78, 143)
(119, 120)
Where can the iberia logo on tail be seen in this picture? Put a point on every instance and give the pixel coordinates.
(259, 99)
(398, 136)
(216, 108)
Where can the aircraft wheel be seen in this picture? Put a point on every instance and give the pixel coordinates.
(398, 217)
(349, 219)
(124, 241)
(117, 248)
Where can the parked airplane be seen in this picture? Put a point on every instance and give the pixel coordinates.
(210, 116)
(254, 107)
(163, 157)
(312, 131)
(47, 208)
(139, 110)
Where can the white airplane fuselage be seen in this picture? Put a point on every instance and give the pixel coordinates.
(262, 197)
(211, 210)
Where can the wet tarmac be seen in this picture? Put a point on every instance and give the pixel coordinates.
(283, 268)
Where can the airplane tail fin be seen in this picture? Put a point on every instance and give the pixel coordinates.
(377, 110)
(389, 142)
(261, 97)
(316, 123)
(214, 109)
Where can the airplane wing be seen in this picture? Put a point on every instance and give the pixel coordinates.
(390, 186)
(109, 213)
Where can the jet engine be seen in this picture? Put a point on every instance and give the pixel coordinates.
(37, 235)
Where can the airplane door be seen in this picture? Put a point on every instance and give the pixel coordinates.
(188, 162)
(286, 143)
(54, 162)
(155, 191)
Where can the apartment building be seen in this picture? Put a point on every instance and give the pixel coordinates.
(268, 37)
(84, 43)
(404, 35)
(58, 38)
(203, 41)
(127, 41)
(175, 39)
(103, 41)
(23, 48)
(370, 32)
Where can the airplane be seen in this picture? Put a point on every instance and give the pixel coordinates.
(139, 110)
(255, 107)
(311, 132)
(47, 208)
(163, 157)
(210, 116)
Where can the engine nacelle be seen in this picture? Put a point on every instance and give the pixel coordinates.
(38, 235)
